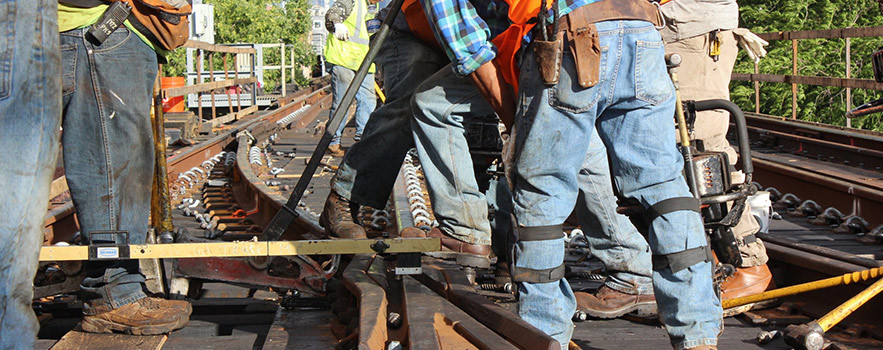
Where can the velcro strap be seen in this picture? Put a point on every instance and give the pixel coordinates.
(749, 239)
(683, 259)
(523, 274)
(670, 205)
(540, 233)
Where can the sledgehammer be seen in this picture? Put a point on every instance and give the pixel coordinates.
(811, 336)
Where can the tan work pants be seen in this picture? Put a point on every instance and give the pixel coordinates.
(700, 78)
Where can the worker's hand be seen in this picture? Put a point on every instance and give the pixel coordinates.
(491, 85)
(751, 43)
(341, 32)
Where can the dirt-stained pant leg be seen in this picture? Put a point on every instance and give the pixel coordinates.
(30, 116)
(701, 78)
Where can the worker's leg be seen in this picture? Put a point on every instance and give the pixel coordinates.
(614, 241)
(30, 117)
(341, 77)
(440, 106)
(636, 128)
(369, 168)
(108, 152)
(366, 101)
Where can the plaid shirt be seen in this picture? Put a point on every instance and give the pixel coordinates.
(465, 28)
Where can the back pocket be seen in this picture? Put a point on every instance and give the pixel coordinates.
(652, 83)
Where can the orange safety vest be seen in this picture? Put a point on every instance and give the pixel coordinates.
(508, 42)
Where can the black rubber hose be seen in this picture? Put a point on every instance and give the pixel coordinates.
(741, 127)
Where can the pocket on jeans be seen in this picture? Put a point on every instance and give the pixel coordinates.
(117, 38)
(68, 69)
(652, 83)
(7, 46)
(568, 94)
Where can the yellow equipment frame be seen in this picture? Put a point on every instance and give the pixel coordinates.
(249, 248)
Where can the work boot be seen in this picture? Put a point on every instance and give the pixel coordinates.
(145, 316)
(338, 220)
(610, 303)
(335, 151)
(747, 281)
(465, 254)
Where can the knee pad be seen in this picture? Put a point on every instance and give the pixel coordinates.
(539, 233)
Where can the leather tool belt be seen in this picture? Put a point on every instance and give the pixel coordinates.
(582, 36)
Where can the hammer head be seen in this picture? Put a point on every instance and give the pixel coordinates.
(808, 336)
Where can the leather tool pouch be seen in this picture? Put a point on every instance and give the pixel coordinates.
(548, 54)
(586, 50)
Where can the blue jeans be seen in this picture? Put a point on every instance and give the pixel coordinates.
(30, 116)
(341, 77)
(612, 237)
(441, 105)
(108, 152)
(632, 107)
(369, 169)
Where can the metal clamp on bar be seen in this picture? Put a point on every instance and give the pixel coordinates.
(100, 250)
(408, 264)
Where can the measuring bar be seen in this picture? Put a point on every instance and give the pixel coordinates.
(239, 249)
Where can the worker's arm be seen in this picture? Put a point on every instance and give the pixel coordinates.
(489, 82)
(465, 37)
(338, 13)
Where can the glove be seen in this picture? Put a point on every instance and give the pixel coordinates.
(341, 32)
(751, 43)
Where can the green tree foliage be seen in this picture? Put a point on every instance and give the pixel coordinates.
(259, 21)
(817, 57)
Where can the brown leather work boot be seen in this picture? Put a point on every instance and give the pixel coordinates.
(465, 254)
(338, 220)
(145, 316)
(335, 151)
(747, 281)
(610, 303)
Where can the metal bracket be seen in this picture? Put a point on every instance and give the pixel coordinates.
(408, 264)
(110, 250)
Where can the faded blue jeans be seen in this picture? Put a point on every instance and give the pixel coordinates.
(441, 105)
(612, 237)
(632, 108)
(341, 77)
(108, 152)
(369, 169)
(30, 117)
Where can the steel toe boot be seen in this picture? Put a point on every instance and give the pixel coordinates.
(145, 316)
(747, 281)
(610, 303)
(335, 151)
(338, 219)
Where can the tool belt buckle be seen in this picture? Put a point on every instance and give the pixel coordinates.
(108, 249)
(548, 55)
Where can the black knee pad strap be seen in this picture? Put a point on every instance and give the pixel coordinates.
(670, 205)
(683, 259)
(540, 233)
(523, 274)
